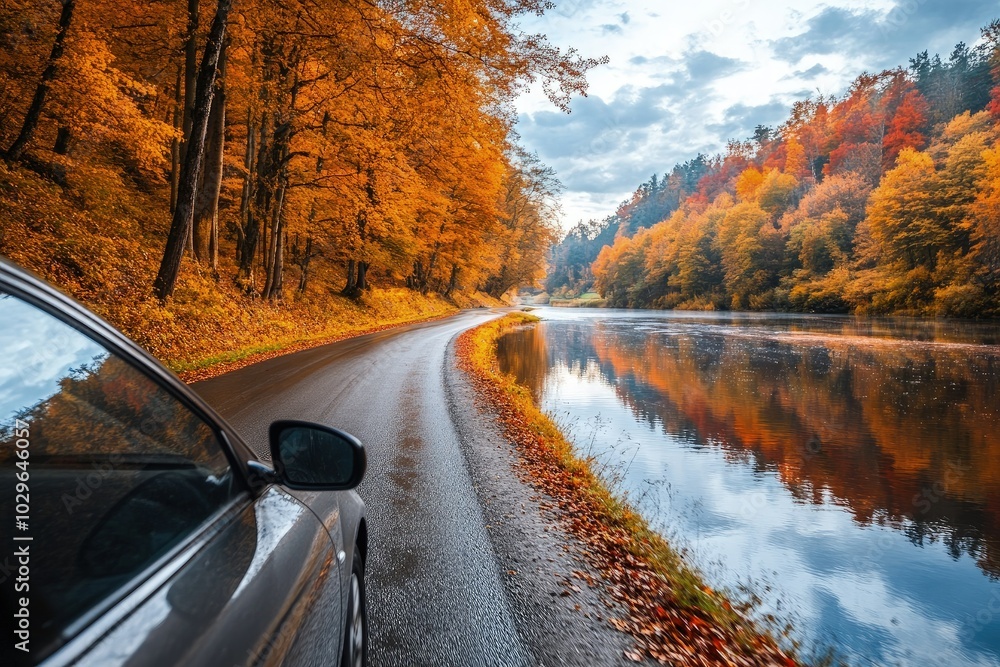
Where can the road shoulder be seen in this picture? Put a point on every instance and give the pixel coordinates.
(562, 619)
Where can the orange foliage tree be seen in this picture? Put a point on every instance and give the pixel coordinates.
(853, 203)
(370, 138)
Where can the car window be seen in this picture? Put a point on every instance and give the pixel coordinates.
(103, 470)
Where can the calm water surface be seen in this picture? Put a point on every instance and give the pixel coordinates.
(847, 471)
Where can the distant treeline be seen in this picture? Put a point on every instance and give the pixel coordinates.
(883, 200)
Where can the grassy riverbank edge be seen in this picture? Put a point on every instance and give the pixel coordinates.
(674, 616)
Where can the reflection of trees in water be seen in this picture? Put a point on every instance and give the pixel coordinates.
(524, 354)
(109, 407)
(906, 435)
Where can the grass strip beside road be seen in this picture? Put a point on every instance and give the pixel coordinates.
(213, 366)
(674, 617)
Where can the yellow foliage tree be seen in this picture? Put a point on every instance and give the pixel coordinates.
(903, 218)
(985, 214)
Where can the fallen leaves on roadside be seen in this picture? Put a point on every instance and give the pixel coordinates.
(665, 627)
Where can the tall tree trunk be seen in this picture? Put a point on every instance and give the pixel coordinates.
(431, 264)
(416, 280)
(246, 194)
(190, 92)
(257, 206)
(48, 74)
(265, 196)
(213, 244)
(357, 283)
(189, 240)
(283, 132)
(362, 283)
(355, 270)
(453, 281)
(304, 261)
(63, 135)
(274, 264)
(352, 279)
(425, 287)
(190, 71)
(265, 253)
(206, 215)
(304, 258)
(180, 225)
(278, 281)
(175, 143)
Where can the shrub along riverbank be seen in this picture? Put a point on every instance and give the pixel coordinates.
(675, 617)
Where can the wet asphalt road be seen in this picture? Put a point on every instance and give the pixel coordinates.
(439, 592)
(429, 546)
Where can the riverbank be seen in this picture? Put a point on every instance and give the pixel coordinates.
(672, 615)
(578, 303)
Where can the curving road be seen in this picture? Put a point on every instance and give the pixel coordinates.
(466, 565)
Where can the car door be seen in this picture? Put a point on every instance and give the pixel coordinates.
(143, 543)
(263, 591)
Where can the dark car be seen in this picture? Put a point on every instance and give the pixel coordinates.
(136, 528)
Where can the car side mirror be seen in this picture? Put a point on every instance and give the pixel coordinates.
(316, 457)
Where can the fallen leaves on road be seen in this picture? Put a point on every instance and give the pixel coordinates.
(674, 618)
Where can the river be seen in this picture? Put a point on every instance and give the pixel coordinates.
(843, 472)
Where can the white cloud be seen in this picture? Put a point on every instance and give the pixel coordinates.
(689, 77)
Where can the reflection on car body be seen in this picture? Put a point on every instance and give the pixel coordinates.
(155, 536)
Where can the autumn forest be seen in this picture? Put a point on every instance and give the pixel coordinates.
(172, 163)
(885, 199)
(215, 175)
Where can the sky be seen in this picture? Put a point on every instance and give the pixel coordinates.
(687, 75)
